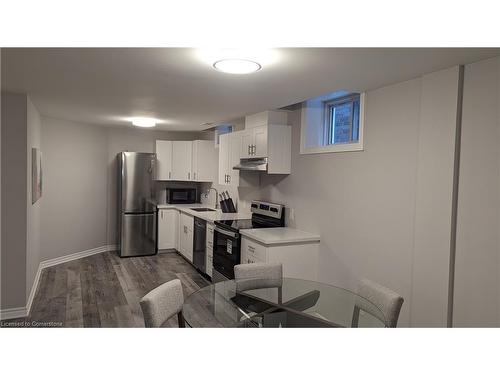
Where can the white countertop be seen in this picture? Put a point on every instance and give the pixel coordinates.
(279, 236)
(209, 216)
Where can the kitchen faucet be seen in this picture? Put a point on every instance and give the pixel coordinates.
(216, 196)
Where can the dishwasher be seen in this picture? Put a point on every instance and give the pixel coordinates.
(199, 244)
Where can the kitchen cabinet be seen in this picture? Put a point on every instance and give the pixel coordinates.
(277, 117)
(186, 161)
(267, 135)
(182, 160)
(204, 161)
(164, 160)
(186, 228)
(209, 249)
(273, 142)
(168, 228)
(229, 156)
(300, 260)
(254, 142)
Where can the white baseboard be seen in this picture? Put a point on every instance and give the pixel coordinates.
(34, 287)
(75, 256)
(21, 312)
(16, 312)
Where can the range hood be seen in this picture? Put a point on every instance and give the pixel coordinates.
(252, 164)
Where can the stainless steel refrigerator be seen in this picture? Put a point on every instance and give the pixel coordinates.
(136, 209)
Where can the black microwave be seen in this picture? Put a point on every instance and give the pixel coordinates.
(181, 196)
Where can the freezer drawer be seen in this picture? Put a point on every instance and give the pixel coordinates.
(138, 234)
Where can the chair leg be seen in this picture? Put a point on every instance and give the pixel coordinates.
(355, 317)
(180, 318)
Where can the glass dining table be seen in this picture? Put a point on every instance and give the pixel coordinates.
(286, 303)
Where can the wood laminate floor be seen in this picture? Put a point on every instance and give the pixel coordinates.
(104, 290)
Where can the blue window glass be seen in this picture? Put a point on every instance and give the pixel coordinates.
(342, 120)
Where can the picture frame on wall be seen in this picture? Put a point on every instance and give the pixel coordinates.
(36, 175)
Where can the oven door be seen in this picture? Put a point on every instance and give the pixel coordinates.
(227, 252)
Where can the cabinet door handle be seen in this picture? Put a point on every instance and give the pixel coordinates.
(169, 175)
(189, 175)
(228, 178)
(249, 152)
(253, 149)
(194, 176)
(251, 249)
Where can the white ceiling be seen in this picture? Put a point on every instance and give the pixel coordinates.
(179, 86)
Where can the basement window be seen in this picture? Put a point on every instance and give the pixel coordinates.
(332, 123)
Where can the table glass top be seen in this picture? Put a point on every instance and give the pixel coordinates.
(286, 302)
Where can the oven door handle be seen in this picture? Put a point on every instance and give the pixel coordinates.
(226, 232)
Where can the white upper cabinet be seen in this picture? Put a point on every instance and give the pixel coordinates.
(266, 135)
(254, 142)
(186, 161)
(224, 152)
(204, 163)
(164, 160)
(234, 159)
(246, 143)
(229, 156)
(266, 118)
(182, 160)
(260, 135)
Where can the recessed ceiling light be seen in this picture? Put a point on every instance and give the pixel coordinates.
(144, 122)
(237, 66)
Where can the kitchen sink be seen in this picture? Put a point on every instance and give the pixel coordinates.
(202, 209)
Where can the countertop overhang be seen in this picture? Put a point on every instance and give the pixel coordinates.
(280, 236)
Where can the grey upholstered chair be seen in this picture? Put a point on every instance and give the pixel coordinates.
(259, 276)
(388, 302)
(162, 303)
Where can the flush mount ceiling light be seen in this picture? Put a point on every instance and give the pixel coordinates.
(237, 66)
(144, 122)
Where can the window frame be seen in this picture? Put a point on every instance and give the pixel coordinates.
(328, 104)
(331, 148)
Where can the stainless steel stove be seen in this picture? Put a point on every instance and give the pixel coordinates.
(227, 239)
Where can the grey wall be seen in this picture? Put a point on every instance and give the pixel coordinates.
(74, 202)
(364, 204)
(361, 203)
(33, 222)
(79, 205)
(477, 277)
(14, 191)
(433, 202)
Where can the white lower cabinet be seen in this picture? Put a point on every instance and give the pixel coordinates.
(300, 260)
(168, 224)
(186, 226)
(209, 249)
